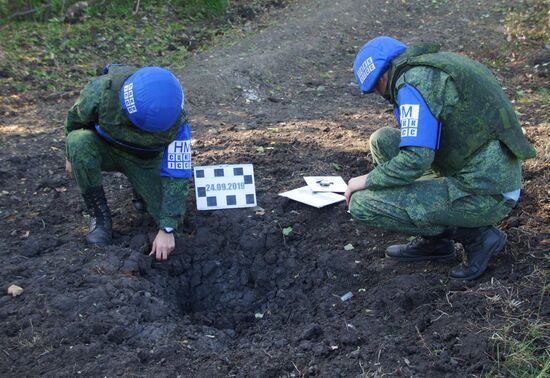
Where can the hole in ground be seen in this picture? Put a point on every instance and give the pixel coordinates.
(229, 267)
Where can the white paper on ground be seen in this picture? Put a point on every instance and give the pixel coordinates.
(326, 183)
(311, 198)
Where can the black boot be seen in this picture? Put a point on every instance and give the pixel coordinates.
(479, 244)
(138, 202)
(101, 225)
(438, 247)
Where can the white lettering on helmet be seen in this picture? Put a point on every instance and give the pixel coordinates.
(365, 69)
(129, 98)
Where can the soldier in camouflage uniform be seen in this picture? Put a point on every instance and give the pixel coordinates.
(452, 170)
(132, 121)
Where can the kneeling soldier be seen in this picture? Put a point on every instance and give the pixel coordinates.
(132, 121)
(455, 123)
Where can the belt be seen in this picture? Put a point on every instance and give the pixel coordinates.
(144, 153)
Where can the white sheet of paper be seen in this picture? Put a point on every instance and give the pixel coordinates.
(311, 198)
(326, 183)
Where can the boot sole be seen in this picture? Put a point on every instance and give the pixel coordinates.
(495, 251)
(420, 259)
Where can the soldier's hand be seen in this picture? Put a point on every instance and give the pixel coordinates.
(355, 184)
(163, 245)
(69, 168)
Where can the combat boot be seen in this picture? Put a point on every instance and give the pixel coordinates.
(138, 202)
(438, 247)
(479, 244)
(101, 225)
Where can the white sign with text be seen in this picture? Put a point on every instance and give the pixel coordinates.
(226, 186)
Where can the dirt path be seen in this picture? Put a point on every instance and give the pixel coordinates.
(313, 44)
(237, 298)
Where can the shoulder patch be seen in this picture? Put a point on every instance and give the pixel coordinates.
(176, 161)
(408, 119)
(418, 126)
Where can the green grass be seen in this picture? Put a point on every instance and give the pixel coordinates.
(522, 344)
(61, 56)
(52, 53)
(529, 20)
(522, 348)
(539, 95)
(205, 8)
(44, 10)
(59, 52)
(526, 24)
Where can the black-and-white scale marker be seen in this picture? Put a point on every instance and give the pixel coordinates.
(225, 186)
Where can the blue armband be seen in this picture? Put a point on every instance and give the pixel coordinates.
(419, 128)
(176, 161)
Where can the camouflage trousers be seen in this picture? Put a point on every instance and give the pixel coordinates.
(90, 156)
(427, 206)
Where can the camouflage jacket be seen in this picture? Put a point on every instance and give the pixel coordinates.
(490, 169)
(84, 114)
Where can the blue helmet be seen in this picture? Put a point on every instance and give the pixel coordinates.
(374, 59)
(152, 98)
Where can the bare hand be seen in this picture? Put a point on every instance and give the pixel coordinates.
(163, 245)
(355, 184)
(69, 168)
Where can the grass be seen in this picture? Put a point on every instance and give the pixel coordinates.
(60, 55)
(539, 95)
(526, 24)
(522, 348)
(522, 343)
(529, 21)
(44, 10)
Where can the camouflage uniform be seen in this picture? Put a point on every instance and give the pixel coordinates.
(398, 201)
(421, 191)
(91, 154)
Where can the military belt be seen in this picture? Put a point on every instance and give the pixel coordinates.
(144, 153)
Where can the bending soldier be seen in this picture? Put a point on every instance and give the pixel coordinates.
(132, 121)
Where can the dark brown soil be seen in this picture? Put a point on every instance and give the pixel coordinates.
(237, 298)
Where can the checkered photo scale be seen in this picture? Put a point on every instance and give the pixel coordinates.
(229, 186)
